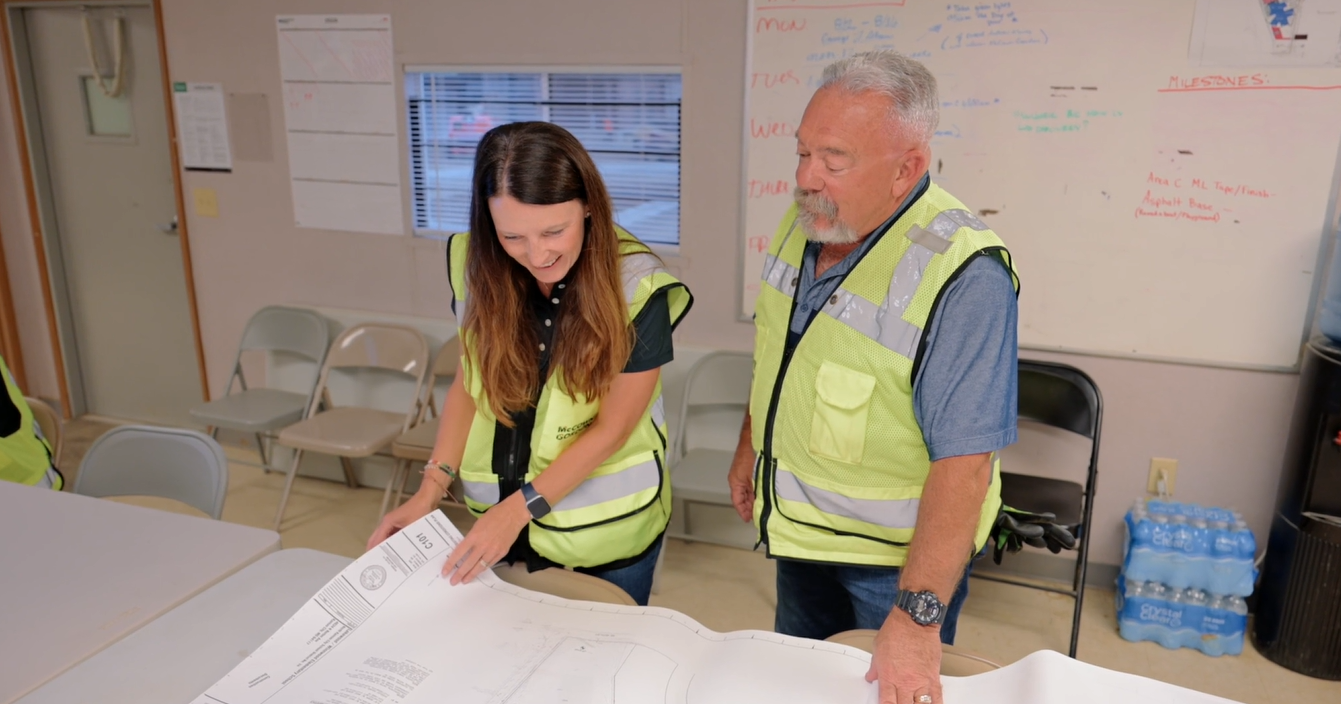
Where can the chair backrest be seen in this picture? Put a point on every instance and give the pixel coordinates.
(448, 358)
(49, 422)
(173, 463)
(721, 380)
(1061, 396)
(299, 331)
(396, 348)
(445, 364)
(564, 583)
(283, 329)
(380, 346)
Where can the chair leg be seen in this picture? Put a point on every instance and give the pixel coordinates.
(391, 481)
(684, 523)
(1082, 560)
(288, 486)
(350, 478)
(265, 457)
(400, 486)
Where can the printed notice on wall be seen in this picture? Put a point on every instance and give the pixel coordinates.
(202, 126)
(340, 122)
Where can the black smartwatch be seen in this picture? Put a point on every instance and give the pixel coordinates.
(535, 503)
(924, 607)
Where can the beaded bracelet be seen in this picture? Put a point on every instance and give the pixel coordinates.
(452, 475)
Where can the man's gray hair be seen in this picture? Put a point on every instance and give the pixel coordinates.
(907, 83)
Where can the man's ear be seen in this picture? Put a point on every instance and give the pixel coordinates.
(914, 164)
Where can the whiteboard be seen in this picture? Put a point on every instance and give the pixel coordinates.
(1162, 172)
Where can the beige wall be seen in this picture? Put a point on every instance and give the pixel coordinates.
(1227, 428)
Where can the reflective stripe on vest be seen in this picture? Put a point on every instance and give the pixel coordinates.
(612, 487)
(659, 411)
(895, 514)
(592, 491)
(884, 322)
(781, 275)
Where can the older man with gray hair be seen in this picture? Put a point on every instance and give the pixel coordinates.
(884, 380)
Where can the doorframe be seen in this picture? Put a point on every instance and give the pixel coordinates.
(32, 159)
(9, 327)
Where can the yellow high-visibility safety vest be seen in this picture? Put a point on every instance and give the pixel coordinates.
(625, 503)
(24, 457)
(840, 459)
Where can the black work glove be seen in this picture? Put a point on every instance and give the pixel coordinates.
(1015, 528)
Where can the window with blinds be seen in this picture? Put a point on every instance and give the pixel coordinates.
(628, 122)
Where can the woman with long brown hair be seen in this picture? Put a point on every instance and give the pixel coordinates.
(554, 425)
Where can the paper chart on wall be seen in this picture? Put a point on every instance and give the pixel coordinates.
(340, 120)
(389, 630)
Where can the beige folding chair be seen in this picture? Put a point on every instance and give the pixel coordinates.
(49, 423)
(261, 411)
(564, 583)
(716, 395)
(351, 432)
(417, 444)
(143, 460)
(955, 661)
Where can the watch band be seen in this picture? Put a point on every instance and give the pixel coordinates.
(535, 503)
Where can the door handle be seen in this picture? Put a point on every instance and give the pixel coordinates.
(169, 228)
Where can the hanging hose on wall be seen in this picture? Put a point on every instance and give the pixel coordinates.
(118, 53)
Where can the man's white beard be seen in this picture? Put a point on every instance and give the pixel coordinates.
(810, 207)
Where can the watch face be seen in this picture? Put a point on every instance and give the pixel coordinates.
(926, 608)
(538, 506)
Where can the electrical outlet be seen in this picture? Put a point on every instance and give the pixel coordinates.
(1162, 467)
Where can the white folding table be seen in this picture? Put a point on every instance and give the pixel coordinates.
(185, 651)
(81, 573)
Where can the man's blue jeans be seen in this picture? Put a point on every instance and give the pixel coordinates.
(817, 600)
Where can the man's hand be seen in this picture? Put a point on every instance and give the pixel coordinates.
(741, 480)
(907, 661)
(741, 476)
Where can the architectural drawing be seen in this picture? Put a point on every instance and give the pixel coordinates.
(390, 630)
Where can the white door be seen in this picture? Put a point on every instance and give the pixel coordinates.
(110, 180)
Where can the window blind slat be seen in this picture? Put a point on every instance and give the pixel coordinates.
(630, 123)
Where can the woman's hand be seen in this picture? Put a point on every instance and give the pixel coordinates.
(488, 540)
(418, 506)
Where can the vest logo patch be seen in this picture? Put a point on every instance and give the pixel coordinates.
(568, 431)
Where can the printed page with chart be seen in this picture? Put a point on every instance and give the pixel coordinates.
(390, 630)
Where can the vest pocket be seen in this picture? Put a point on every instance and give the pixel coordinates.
(842, 406)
